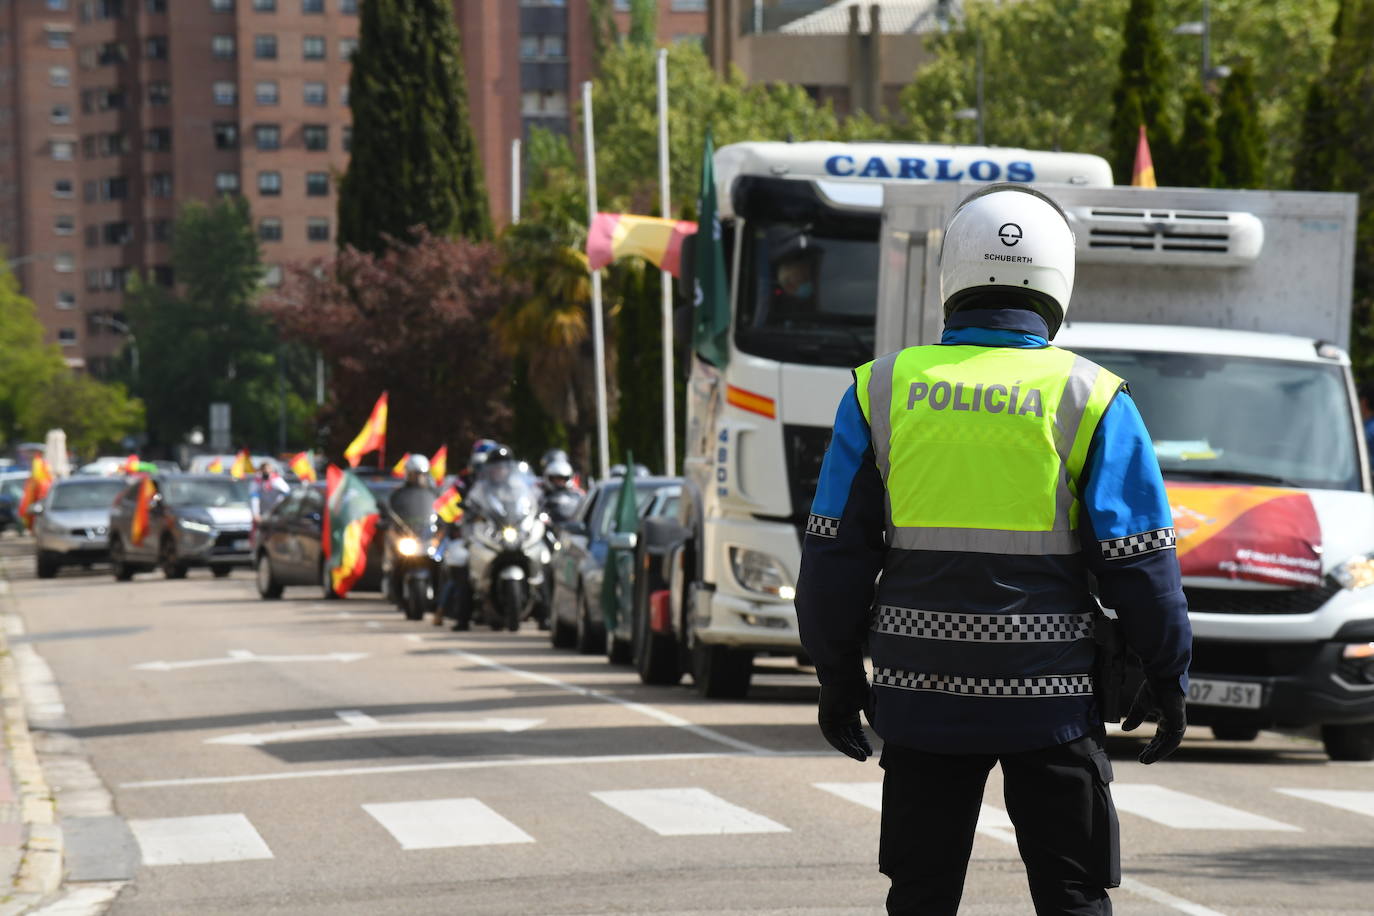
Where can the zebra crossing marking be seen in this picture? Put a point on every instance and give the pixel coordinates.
(686, 812)
(1346, 799)
(445, 822)
(198, 840)
(870, 795)
(1187, 812)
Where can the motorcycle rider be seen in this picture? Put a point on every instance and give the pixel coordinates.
(561, 496)
(480, 449)
(414, 499)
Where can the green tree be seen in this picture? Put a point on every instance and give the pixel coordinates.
(601, 23)
(643, 22)
(1143, 69)
(414, 159)
(1238, 131)
(1199, 152)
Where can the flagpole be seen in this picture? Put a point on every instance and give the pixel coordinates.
(598, 337)
(669, 419)
(515, 181)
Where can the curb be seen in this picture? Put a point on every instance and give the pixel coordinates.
(40, 868)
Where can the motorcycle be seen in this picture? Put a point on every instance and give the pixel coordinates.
(508, 555)
(408, 565)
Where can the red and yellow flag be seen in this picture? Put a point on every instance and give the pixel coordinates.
(35, 488)
(1143, 174)
(138, 526)
(216, 466)
(659, 241)
(303, 467)
(399, 468)
(350, 521)
(131, 464)
(243, 466)
(373, 435)
(449, 505)
(438, 465)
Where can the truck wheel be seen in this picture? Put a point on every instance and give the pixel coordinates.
(655, 654)
(167, 559)
(1235, 732)
(591, 637)
(721, 673)
(123, 572)
(1349, 742)
(45, 564)
(269, 588)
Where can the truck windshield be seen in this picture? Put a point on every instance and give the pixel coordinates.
(1232, 418)
(808, 292)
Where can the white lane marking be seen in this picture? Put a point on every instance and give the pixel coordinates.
(240, 656)
(870, 795)
(687, 812)
(1187, 812)
(445, 822)
(1140, 889)
(200, 839)
(666, 718)
(1347, 799)
(355, 722)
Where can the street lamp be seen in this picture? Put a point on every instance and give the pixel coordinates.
(1204, 30)
(117, 325)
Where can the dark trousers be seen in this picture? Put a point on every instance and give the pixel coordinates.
(1058, 799)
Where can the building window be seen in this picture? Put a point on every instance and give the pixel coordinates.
(269, 229)
(63, 188)
(159, 93)
(267, 136)
(119, 233)
(347, 139)
(265, 6)
(155, 47)
(60, 114)
(343, 96)
(62, 150)
(93, 100)
(348, 6)
(316, 137)
(222, 47)
(222, 6)
(160, 184)
(66, 299)
(316, 94)
(544, 104)
(64, 225)
(160, 230)
(312, 47)
(269, 183)
(348, 47)
(158, 140)
(226, 92)
(317, 229)
(64, 263)
(542, 47)
(66, 337)
(272, 276)
(266, 92)
(59, 76)
(57, 6)
(227, 182)
(156, 6)
(312, 6)
(316, 184)
(162, 275)
(265, 47)
(688, 6)
(59, 38)
(116, 188)
(226, 135)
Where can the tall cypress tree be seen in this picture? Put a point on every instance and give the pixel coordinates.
(1196, 164)
(1315, 161)
(1238, 132)
(1144, 71)
(414, 157)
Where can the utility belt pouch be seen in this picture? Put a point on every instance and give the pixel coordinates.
(1109, 667)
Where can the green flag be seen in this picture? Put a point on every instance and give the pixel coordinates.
(350, 521)
(617, 579)
(711, 297)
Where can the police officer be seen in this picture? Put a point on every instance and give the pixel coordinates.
(987, 478)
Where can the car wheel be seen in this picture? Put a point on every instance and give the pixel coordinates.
(618, 651)
(45, 564)
(1349, 742)
(326, 586)
(167, 559)
(655, 654)
(1235, 732)
(221, 571)
(123, 572)
(561, 635)
(591, 637)
(268, 586)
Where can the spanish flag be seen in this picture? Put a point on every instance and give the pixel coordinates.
(449, 505)
(243, 466)
(303, 467)
(398, 469)
(138, 526)
(438, 465)
(216, 466)
(1143, 174)
(616, 235)
(131, 464)
(373, 435)
(35, 488)
(350, 521)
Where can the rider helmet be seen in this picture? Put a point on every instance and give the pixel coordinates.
(417, 470)
(558, 474)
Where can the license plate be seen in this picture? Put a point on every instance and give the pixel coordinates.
(1225, 693)
(241, 544)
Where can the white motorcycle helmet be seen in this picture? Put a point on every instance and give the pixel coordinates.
(1009, 239)
(417, 469)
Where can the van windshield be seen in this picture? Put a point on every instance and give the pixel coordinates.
(1233, 418)
(808, 292)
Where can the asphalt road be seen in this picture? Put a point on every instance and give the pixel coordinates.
(303, 756)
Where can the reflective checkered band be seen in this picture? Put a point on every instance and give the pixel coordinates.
(1131, 545)
(902, 621)
(1055, 685)
(822, 527)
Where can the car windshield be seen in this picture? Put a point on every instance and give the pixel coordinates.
(605, 509)
(12, 488)
(1260, 421)
(809, 292)
(211, 492)
(93, 494)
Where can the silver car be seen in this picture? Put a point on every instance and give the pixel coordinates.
(193, 520)
(72, 524)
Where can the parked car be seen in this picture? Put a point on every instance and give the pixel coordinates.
(288, 550)
(11, 492)
(72, 524)
(193, 520)
(584, 541)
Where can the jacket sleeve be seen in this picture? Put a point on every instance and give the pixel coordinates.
(1128, 542)
(843, 551)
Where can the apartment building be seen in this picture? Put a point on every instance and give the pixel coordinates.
(114, 113)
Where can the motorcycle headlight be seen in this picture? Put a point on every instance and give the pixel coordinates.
(510, 535)
(1357, 572)
(408, 546)
(193, 525)
(761, 572)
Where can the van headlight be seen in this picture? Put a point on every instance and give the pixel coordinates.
(761, 572)
(1357, 572)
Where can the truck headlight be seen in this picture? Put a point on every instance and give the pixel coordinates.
(408, 546)
(1357, 572)
(761, 572)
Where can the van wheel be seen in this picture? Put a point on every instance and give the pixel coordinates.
(45, 564)
(123, 572)
(167, 559)
(1349, 742)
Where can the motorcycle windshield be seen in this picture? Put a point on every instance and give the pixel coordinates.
(508, 499)
(413, 507)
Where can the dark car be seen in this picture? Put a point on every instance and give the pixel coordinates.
(578, 564)
(193, 520)
(11, 492)
(289, 550)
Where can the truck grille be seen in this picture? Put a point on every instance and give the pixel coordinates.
(1245, 601)
(805, 449)
(1252, 658)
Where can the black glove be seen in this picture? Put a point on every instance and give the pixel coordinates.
(839, 717)
(1163, 701)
